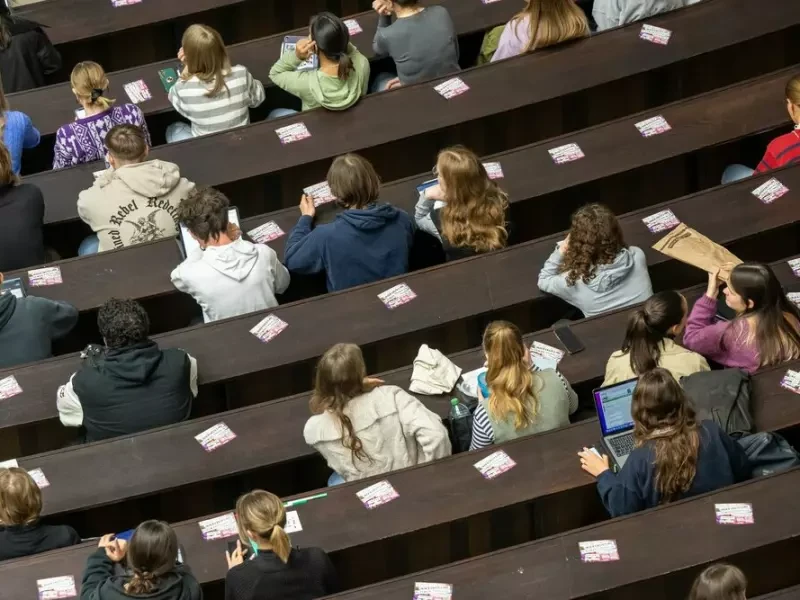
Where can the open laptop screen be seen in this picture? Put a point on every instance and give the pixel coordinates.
(614, 406)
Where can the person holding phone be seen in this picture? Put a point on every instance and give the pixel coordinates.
(593, 268)
(153, 572)
(263, 563)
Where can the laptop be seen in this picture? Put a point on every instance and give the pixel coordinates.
(613, 404)
(189, 244)
(14, 286)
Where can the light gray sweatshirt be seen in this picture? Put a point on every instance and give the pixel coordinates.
(621, 283)
(612, 13)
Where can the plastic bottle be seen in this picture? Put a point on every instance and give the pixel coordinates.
(460, 426)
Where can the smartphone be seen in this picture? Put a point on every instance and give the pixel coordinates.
(232, 548)
(169, 78)
(569, 339)
(125, 535)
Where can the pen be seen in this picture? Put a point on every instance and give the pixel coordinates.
(291, 503)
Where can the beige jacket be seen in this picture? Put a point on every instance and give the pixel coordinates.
(134, 204)
(395, 428)
(674, 358)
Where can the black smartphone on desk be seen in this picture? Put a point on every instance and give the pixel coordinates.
(567, 337)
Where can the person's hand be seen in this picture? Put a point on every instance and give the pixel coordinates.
(713, 284)
(592, 463)
(382, 7)
(307, 208)
(304, 49)
(236, 557)
(115, 548)
(233, 231)
(372, 382)
(181, 55)
(434, 193)
(725, 271)
(394, 84)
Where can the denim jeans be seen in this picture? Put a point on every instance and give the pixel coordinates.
(89, 245)
(380, 82)
(179, 131)
(335, 479)
(736, 173)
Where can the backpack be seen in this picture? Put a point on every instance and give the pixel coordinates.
(723, 397)
(768, 453)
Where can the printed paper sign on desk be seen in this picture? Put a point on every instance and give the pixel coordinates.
(214, 437)
(654, 126)
(293, 524)
(544, 356)
(138, 91)
(38, 476)
(734, 514)
(320, 192)
(7, 464)
(293, 133)
(769, 191)
(45, 276)
(9, 387)
(657, 35)
(599, 551)
(452, 88)
(53, 588)
(118, 3)
(269, 328)
(795, 266)
(495, 464)
(220, 527)
(265, 233)
(432, 591)
(794, 298)
(494, 170)
(661, 221)
(397, 296)
(566, 153)
(353, 27)
(378, 494)
(791, 381)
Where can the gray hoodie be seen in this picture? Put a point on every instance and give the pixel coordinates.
(622, 283)
(612, 13)
(231, 280)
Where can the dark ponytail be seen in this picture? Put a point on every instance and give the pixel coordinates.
(333, 39)
(152, 553)
(648, 326)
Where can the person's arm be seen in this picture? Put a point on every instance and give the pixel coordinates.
(551, 279)
(424, 426)
(702, 334)
(31, 137)
(740, 465)
(604, 15)
(177, 102)
(99, 568)
(48, 56)
(510, 43)
(62, 156)
(573, 397)
(330, 578)
(380, 46)
(255, 90)
(177, 276)
(482, 432)
(304, 248)
(141, 122)
(192, 374)
(70, 411)
(280, 274)
(60, 317)
(768, 162)
(285, 75)
(619, 492)
(422, 216)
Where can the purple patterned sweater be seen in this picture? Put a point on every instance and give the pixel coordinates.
(84, 140)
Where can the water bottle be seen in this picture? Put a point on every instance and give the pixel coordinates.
(460, 426)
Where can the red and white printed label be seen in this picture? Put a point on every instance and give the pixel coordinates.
(38, 476)
(791, 381)
(599, 551)
(293, 133)
(655, 126)
(432, 591)
(353, 27)
(118, 3)
(770, 190)
(544, 356)
(265, 233)
(223, 526)
(397, 296)
(138, 91)
(54, 588)
(795, 265)
(495, 464)
(45, 276)
(734, 514)
(657, 35)
(661, 221)
(494, 170)
(214, 437)
(452, 88)
(377, 494)
(9, 387)
(566, 153)
(269, 328)
(320, 192)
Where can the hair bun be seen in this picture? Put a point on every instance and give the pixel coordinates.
(96, 93)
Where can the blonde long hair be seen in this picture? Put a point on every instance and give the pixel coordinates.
(474, 215)
(509, 377)
(262, 514)
(206, 57)
(551, 22)
(89, 84)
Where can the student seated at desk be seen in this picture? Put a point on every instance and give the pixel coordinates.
(83, 140)
(516, 399)
(152, 569)
(649, 341)
(276, 570)
(367, 241)
(26, 54)
(765, 331)
(18, 131)
(473, 216)
(343, 74)
(135, 200)
(29, 325)
(129, 384)
(362, 427)
(211, 93)
(21, 532)
(21, 219)
(227, 275)
(719, 582)
(613, 13)
(674, 456)
(594, 269)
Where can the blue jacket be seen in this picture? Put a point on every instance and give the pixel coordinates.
(720, 462)
(360, 246)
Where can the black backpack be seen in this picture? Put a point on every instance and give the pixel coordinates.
(768, 453)
(723, 397)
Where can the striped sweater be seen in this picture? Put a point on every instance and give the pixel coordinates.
(228, 109)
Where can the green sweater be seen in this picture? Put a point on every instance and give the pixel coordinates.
(315, 88)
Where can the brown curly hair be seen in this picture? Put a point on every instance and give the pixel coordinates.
(595, 238)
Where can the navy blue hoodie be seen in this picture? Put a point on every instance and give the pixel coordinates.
(360, 246)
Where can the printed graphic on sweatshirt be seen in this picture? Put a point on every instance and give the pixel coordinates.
(140, 229)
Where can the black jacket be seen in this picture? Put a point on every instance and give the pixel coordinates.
(29, 325)
(309, 574)
(132, 389)
(21, 221)
(28, 58)
(100, 582)
(17, 541)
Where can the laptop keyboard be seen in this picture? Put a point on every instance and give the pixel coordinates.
(622, 445)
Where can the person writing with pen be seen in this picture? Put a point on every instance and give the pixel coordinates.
(264, 565)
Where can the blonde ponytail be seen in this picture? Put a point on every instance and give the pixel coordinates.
(89, 83)
(261, 514)
(281, 546)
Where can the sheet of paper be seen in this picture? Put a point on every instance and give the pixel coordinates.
(377, 494)
(269, 328)
(661, 221)
(138, 91)
(657, 35)
(223, 526)
(791, 381)
(495, 464)
(38, 476)
(353, 27)
(770, 190)
(432, 591)
(320, 192)
(566, 153)
(54, 588)
(794, 298)
(452, 88)
(544, 356)
(9, 387)
(293, 133)
(293, 524)
(118, 3)
(734, 514)
(599, 551)
(214, 437)
(266, 233)
(7, 464)
(494, 170)
(397, 296)
(44, 276)
(654, 126)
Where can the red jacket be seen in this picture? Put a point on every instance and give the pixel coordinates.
(783, 150)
